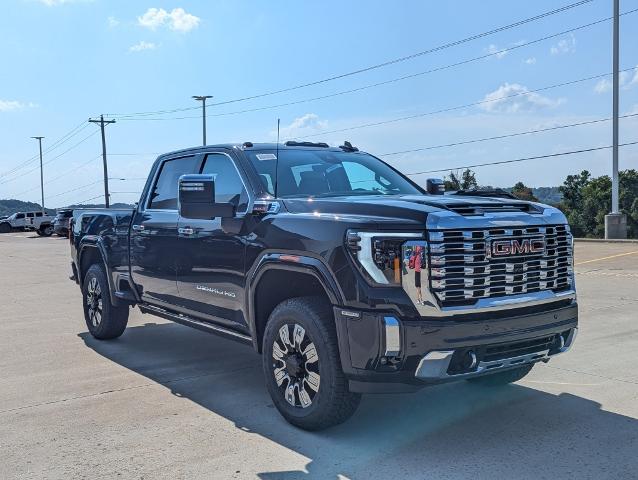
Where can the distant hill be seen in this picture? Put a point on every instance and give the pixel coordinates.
(10, 206)
(549, 195)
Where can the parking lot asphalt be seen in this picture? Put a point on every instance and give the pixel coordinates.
(166, 401)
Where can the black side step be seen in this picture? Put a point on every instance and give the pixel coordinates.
(198, 324)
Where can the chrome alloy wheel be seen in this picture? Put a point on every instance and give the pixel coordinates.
(296, 366)
(94, 301)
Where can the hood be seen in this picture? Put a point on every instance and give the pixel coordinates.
(439, 211)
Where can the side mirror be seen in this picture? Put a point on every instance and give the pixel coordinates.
(435, 186)
(197, 199)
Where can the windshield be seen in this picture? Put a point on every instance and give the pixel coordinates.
(325, 173)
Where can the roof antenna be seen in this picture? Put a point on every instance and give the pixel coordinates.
(277, 159)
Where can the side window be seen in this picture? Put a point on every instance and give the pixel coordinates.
(38, 214)
(30, 215)
(164, 193)
(229, 187)
(19, 216)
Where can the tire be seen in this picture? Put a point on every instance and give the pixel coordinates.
(5, 228)
(45, 231)
(310, 378)
(503, 378)
(104, 320)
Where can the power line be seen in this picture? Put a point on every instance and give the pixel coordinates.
(385, 82)
(459, 107)
(50, 160)
(538, 157)
(508, 135)
(62, 175)
(50, 148)
(76, 189)
(88, 199)
(375, 66)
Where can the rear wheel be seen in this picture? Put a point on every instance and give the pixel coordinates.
(302, 367)
(503, 378)
(103, 319)
(45, 231)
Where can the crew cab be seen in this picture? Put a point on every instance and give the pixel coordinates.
(347, 276)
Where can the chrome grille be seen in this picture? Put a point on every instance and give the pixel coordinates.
(462, 270)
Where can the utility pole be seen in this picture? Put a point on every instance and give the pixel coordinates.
(39, 139)
(202, 98)
(102, 123)
(615, 222)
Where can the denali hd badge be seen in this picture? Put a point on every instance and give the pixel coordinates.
(505, 247)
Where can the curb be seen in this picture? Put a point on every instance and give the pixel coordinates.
(605, 240)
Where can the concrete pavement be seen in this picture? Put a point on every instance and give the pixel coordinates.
(166, 401)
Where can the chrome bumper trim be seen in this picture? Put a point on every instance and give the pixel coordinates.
(435, 364)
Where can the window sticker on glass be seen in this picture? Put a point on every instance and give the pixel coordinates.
(266, 156)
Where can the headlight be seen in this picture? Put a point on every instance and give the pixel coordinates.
(379, 254)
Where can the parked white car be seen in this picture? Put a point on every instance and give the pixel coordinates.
(38, 221)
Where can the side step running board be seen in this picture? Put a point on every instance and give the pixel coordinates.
(198, 324)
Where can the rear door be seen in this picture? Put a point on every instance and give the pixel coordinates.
(211, 277)
(153, 240)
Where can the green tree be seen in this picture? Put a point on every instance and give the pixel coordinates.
(572, 191)
(587, 200)
(466, 181)
(520, 190)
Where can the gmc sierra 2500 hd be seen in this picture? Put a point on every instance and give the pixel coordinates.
(343, 273)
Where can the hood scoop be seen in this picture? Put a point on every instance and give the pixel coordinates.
(473, 209)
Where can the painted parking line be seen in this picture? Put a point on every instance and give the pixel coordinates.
(606, 258)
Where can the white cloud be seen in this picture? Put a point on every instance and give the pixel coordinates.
(512, 98)
(177, 19)
(112, 22)
(141, 46)
(496, 51)
(605, 85)
(54, 3)
(530, 61)
(305, 125)
(8, 105)
(566, 45)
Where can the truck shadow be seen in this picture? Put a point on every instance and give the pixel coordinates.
(453, 431)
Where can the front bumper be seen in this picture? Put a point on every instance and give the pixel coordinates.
(380, 353)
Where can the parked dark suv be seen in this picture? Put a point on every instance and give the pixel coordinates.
(61, 222)
(343, 273)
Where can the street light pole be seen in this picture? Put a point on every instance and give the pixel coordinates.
(616, 85)
(615, 222)
(202, 98)
(39, 139)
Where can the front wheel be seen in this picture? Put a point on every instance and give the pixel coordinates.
(302, 367)
(103, 319)
(5, 228)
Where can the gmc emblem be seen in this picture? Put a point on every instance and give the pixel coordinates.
(509, 247)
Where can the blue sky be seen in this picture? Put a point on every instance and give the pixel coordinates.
(66, 60)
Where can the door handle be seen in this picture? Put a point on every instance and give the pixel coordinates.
(185, 231)
(138, 228)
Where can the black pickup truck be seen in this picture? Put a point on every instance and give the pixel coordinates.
(344, 274)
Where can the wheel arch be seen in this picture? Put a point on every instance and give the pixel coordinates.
(280, 276)
(92, 253)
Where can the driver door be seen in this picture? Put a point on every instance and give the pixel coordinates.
(210, 269)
